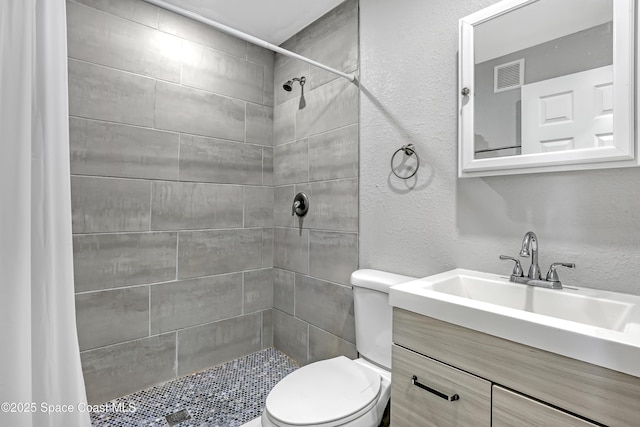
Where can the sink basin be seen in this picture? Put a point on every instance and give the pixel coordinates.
(569, 304)
(595, 326)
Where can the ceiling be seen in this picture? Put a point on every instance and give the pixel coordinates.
(272, 20)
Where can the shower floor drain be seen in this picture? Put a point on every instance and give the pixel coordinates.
(178, 417)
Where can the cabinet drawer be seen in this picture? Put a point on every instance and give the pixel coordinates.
(412, 405)
(513, 409)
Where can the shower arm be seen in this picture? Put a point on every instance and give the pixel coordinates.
(246, 37)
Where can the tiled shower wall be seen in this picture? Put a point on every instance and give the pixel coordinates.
(172, 166)
(316, 151)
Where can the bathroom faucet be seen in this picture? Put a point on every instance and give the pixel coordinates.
(534, 278)
(530, 247)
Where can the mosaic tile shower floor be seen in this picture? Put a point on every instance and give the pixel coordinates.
(228, 395)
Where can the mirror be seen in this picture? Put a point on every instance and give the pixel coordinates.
(547, 85)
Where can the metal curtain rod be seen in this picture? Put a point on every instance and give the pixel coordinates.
(246, 37)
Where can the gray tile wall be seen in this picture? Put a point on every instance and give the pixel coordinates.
(316, 151)
(171, 135)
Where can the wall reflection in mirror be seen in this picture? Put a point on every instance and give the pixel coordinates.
(544, 79)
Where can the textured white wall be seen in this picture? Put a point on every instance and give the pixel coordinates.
(438, 222)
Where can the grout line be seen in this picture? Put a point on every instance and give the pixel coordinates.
(182, 230)
(140, 285)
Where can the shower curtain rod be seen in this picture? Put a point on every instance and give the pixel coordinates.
(247, 37)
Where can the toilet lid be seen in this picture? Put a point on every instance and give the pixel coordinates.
(323, 392)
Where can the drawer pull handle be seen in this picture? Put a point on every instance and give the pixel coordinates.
(414, 381)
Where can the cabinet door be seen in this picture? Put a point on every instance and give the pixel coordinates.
(513, 409)
(416, 402)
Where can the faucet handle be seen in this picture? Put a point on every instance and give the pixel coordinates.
(552, 274)
(517, 269)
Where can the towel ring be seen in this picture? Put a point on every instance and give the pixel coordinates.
(408, 150)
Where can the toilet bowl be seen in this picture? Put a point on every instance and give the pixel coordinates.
(329, 393)
(340, 391)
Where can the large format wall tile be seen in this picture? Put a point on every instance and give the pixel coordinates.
(330, 106)
(96, 92)
(267, 97)
(335, 205)
(215, 343)
(105, 39)
(104, 261)
(283, 202)
(343, 15)
(260, 55)
(267, 328)
(224, 74)
(137, 11)
(258, 290)
(258, 207)
(109, 204)
(185, 205)
(291, 163)
(113, 316)
(325, 305)
(185, 303)
(214, 160)
(120, 369)
(334, 155)
(204, 253)
(291, 249)
(259, 124)
(194, 111)
(201, 33)
(339, 50)
(323, 345)
(333, 256)
(290, 335)
(284, 125)
(109, 149)
(267, 247)
(283, 289)
(267, 166)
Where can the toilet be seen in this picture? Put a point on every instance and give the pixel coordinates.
(341, 391)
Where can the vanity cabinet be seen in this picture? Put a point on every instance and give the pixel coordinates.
(531, 387)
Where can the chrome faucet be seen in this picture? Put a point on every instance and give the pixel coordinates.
(534, 278)
(530, 248)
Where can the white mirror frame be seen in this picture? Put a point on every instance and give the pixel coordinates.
(624, 153)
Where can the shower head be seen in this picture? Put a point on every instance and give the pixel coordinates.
(288, 86)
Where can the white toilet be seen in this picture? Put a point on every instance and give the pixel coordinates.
(341, 391)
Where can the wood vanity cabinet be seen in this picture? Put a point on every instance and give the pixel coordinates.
(500, 383)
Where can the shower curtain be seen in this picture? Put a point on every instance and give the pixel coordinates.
(41, 380)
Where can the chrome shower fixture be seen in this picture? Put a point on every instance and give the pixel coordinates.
(288, 86)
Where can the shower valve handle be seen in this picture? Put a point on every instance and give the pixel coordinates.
(300, 205)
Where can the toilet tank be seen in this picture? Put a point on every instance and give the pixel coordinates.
(373, 313)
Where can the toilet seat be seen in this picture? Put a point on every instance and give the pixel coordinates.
(327, 393)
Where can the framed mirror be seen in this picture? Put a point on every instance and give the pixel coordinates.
(547, 85)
